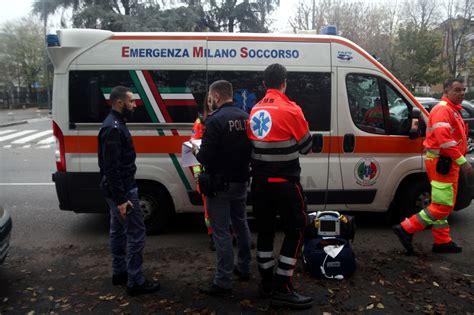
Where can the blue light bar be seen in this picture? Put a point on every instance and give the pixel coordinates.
(52, 40)
(328, 30)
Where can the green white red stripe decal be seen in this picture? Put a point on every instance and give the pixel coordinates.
(157, 111)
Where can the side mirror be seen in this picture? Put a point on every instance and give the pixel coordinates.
(415, 124)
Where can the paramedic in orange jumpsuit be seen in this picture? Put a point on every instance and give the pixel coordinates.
(445, 138)
(197, 131)
(279, 133)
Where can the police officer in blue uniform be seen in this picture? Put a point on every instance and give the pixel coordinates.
(117, 169)
(225, 155)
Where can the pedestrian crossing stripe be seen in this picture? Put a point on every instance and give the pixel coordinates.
(25, 139)
(32, 137)
(16, 135)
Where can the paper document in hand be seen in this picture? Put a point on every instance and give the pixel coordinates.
(187, 157)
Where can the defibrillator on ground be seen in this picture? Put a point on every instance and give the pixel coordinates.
(330, 223)
(327, 249)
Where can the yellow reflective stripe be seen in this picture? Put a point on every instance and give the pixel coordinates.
(442, 193)
(431, 155)
(448, 144)
(443, 103)
(425, 218)
(440, 224)
(461, 160)
(197, 169)
(435, 152)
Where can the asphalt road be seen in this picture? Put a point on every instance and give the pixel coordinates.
(27, 192)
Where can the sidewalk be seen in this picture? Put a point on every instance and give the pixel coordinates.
(21, 116)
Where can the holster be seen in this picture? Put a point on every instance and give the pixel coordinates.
(211, 184)
(443, 166)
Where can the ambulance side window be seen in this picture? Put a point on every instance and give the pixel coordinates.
(365, 102)
(172, 95)
(310, 90)
(399, 112)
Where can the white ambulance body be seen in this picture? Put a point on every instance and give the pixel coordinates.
(360, 115)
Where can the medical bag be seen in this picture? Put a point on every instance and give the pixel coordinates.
(329, 257)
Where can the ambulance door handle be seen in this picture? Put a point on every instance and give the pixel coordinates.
(318, 143)
(349, 142)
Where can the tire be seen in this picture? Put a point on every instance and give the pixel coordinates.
(413, 196)
(156, 206)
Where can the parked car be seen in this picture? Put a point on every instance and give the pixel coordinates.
(5, 231)
(467, 114)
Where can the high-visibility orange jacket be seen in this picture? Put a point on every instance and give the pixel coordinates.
(198, 129)
(446, 132)
(279, 133)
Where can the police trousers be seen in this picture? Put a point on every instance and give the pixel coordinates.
(225, 208)
(287, 200)
(127, 240)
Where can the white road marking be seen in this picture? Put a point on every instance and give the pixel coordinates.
(26, 146)
(6, 131)
(48, 146)
(32, 137)
(7, 146)
(47, 140)
(16, 135)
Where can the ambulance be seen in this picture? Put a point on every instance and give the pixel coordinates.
(367, 128)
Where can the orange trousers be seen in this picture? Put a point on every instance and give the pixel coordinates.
(443, 197)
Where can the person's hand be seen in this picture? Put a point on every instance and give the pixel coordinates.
(194, 149)
(123, 208)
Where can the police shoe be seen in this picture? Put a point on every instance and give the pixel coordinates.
(447, 248)
(242, 276)
(120, 278)
(215, 290)
(290, 299)
(405, 238)
(145, 288)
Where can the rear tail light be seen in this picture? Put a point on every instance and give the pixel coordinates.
(59, 148)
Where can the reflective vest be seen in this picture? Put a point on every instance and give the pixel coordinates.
(279, 133)
(196, 134)
(446, 132)
(198, 129)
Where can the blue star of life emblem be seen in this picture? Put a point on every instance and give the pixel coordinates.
(261, 123)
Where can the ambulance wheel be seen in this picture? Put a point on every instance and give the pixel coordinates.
(155, 204)
(413, 196)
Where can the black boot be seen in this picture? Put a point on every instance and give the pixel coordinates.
(266, 289)
(405, 238)
(120, 279)
(289, 298)
(447, 248)
(146, 288)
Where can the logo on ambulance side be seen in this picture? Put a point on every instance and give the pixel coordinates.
(366, 171)
(344, 56)
(261, 123)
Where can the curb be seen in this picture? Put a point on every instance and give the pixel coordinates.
(20, 122)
